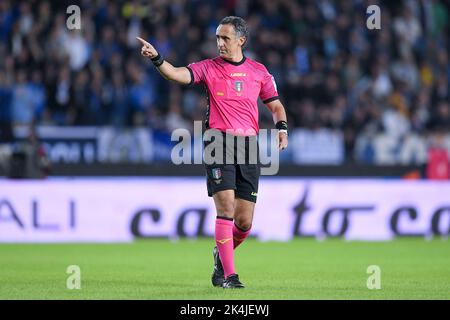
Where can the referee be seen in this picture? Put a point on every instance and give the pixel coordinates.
(234, 83)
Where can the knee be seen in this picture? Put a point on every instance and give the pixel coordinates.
(225, 209)
(243, 223)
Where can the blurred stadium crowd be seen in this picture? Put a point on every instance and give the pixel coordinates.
(331, 70)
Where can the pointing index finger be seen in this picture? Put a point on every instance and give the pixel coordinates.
(145, 43)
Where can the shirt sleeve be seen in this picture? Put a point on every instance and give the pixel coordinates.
(268, 91)
(198, 71)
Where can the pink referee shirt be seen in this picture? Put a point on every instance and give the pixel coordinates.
(233, 91)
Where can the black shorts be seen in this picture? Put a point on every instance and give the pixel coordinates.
(241, 175)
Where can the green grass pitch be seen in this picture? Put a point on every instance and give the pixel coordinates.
(162, 269)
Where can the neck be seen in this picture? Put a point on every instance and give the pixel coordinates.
(237, 57)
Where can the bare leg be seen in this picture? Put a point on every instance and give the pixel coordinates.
(224, 201)
(243, 218)
(243, 213)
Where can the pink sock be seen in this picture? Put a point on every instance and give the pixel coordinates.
(239, 235)
(224, 242)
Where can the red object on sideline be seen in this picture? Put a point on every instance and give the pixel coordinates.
(438, 167)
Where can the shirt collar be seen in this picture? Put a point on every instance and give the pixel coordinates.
(235, 63)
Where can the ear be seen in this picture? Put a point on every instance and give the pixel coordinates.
(242, 41)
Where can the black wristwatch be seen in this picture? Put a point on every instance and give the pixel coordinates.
(282, 126)
(158, 60)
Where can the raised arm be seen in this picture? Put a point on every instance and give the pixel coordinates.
(167, 70)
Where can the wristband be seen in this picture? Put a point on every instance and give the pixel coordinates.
(282, 125)
(158, 60)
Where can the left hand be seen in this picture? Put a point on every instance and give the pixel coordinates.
(282, 140)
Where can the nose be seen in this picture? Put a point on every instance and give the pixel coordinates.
(220, 43)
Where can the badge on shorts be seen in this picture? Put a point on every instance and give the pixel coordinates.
(238, 85)
(216, 173)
